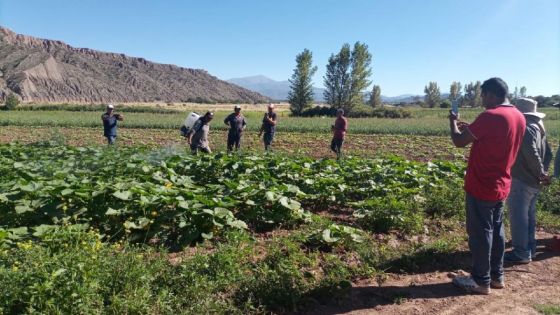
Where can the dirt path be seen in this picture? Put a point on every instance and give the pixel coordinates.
(433, 293)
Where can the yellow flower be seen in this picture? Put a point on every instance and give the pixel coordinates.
(15, 268)
(168, 185)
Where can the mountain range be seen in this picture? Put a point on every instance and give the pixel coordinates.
(43, 70)
(278, 90)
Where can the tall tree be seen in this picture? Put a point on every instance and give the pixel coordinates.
(361, 71)
(337, 78)
(347, 76)
(472, 96)
(523, 91)
(455, 90)
(477, 94)
(433, 94)
(300, 96)
(375, 97)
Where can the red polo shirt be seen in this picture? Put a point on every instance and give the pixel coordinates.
(498, 134)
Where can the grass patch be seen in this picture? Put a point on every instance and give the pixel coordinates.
(548, 309)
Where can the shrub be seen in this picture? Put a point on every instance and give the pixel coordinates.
(445, 104)
(11, 102)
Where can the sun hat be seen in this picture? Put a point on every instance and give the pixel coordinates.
(528, 106)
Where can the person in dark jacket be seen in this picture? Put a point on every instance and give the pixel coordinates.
(236, 123)
(110, 120)
(529, 173)
(268, 127)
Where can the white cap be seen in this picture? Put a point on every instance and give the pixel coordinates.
(110, 106)
(237, 107)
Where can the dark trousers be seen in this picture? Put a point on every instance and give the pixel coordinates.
(267, 139)
(111, 139)
(233, 139)
(336, 146)
(486, 239)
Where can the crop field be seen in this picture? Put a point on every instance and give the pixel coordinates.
(423, 122)
(144, 227)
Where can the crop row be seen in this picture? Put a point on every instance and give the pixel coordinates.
(435, 124)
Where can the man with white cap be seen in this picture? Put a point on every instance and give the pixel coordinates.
(529, 173)
(268, 127)
(236, 123)
(110, 124)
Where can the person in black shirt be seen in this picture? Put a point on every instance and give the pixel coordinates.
(110, 124)
(237, 124)
(268, 127)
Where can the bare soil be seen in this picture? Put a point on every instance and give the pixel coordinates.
(432, 292)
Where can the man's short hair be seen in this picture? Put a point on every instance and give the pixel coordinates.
(340, 110)
(495, 86)
(209, 114)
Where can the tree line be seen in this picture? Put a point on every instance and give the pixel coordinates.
(348, 76)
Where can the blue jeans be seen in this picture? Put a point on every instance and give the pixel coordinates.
(557, 164)
(486, 239)
(521, 202)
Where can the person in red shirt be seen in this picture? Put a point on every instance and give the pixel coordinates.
(339, 131)
(496, 135)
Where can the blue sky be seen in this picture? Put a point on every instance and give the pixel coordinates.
(412, 42)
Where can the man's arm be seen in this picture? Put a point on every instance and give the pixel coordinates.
(460, 138)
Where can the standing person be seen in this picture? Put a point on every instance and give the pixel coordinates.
(197, 137)
(268, 126)
(110, 120)
(496, 135)
(237, 124)
(529, 173)
(339, 132)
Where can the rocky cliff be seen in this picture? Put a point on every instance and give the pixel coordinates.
(42, 70)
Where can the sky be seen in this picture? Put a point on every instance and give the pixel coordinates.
(412, 42)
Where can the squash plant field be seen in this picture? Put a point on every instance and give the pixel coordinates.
(170, 197)
(155, 230)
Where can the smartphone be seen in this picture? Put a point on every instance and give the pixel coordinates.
(455, 105)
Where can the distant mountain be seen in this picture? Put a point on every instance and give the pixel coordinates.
(50, 70)
(276, 90)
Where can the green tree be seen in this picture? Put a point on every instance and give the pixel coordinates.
(337, 78)
(300, 96)
(433, 94)
(472, 96)
(361, 71)
(523, 92)
(455, 90)
(347, 76)
(477, 94)
(11, 102)
(375, 97)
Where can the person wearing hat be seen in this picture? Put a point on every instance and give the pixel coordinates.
(236, 123)
(268, 127)
(339, 132)
(529, 173)
(496, 136)
(197, 136)
(110, 120)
